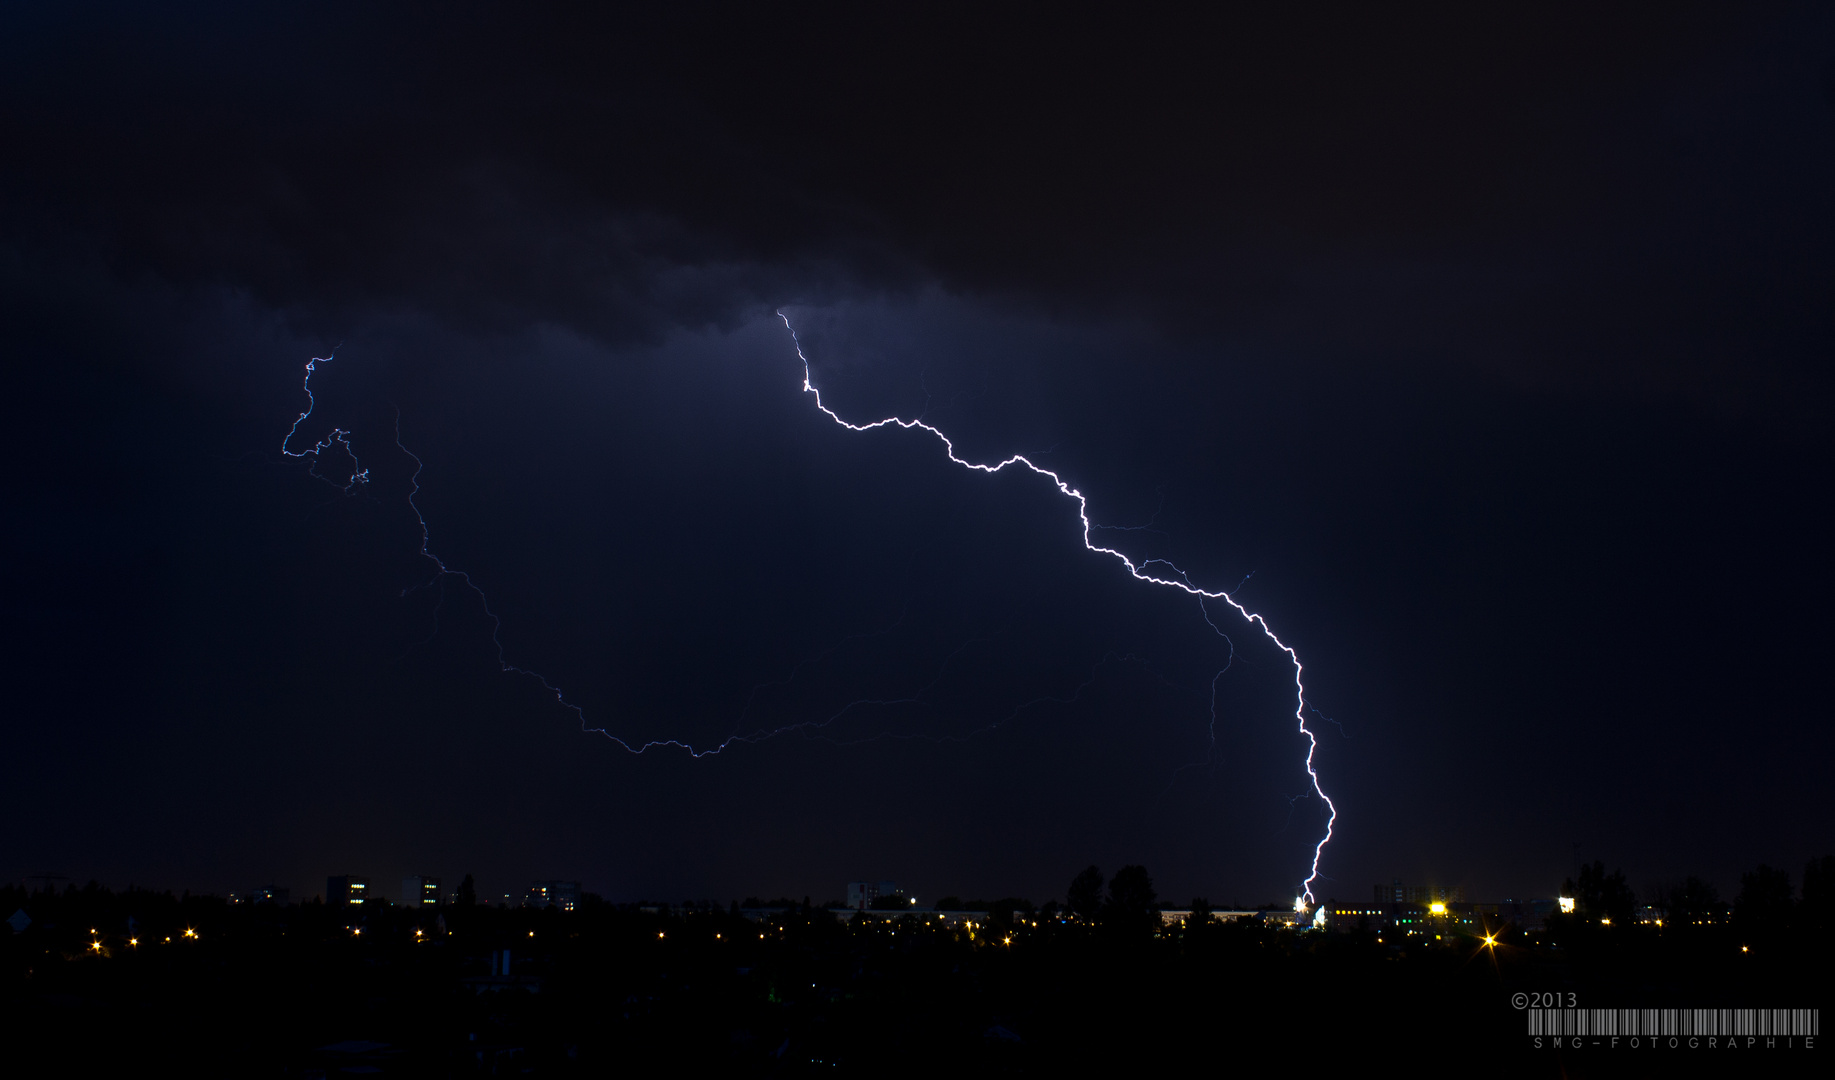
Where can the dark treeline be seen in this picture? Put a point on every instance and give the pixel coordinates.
(100, 979)
(1766, 910)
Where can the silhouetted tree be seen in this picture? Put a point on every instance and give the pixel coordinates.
(1818, 905)
(1132, 906)
(468, 892)
(1763, 909)
(1690, 902)
(1600, 895)
(1200, 911)
(1084, 897)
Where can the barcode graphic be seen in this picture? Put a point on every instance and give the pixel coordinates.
(1634, 1022)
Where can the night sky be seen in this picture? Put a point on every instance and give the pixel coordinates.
(1488, 349)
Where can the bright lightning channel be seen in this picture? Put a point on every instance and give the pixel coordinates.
(1138, 569)
(358, 474)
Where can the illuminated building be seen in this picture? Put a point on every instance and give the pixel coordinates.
(861, 894)
(556, 894)
(347, 890)
(1180, 916)
(420, 891)
(1437, 916)
(1397, 893)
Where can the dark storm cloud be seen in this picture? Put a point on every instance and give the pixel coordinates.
(1392, 307)
(1602, 195)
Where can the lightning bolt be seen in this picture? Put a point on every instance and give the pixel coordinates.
(358, 474)
(1139, 570)
(1142, 571)
(443, 572)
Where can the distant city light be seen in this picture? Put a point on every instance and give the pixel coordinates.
(1567, 905)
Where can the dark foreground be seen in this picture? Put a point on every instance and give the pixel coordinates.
(301, 991)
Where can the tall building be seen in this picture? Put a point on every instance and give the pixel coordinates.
(861, 894)
(347, 890)
(557, 894)
(420, 891)
(1397, 893)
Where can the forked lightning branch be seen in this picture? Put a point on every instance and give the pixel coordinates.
(1148, 571)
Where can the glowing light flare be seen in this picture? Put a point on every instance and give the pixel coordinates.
(1138, 570)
